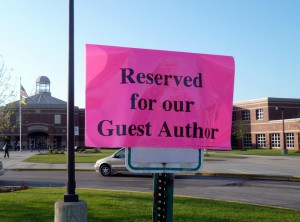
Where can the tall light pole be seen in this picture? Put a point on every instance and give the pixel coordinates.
(71, 209)
(284, 151)
(71, 196)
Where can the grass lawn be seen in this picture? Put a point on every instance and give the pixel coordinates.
(62, 158)
(93, 157)
(37, 204)
(221, 155)
(261, 152)
(211, 155)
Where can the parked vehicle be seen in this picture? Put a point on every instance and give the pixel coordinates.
(1, 169)
(112, 164)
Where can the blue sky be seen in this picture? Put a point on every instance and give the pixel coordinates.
(263, 36)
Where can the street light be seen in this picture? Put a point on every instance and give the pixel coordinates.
(284, 150)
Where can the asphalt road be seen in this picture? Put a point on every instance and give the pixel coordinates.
(266, 192)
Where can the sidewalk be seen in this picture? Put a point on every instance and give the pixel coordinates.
(271, 167)
(14, 162)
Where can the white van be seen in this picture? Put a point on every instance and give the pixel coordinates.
(1, 169)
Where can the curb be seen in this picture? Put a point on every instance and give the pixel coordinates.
(251, 176)
(58, 169)
(208, 174)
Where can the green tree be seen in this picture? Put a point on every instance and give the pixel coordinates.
(8, 94)
(297, 121)
(239, 128)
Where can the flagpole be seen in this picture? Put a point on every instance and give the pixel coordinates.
(20, 118)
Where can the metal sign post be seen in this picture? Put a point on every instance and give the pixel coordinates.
(163, 163)
(163, 197)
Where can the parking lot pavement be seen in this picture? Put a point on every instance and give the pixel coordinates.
(256, 165)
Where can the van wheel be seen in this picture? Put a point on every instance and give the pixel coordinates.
(105, 170)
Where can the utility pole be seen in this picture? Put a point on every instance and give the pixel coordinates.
(284, 151)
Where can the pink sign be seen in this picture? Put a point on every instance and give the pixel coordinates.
(152, 98)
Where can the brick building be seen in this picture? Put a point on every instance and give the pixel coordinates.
(260, 121)
(44, 121)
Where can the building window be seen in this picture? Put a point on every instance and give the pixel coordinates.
(57, 119)
(290, 140)
(275, 140)
(261, 140)
(246, 114)
(247, 143)
(43, 87)
(259, 114)
(233, 116)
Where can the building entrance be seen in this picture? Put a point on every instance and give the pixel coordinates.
(37, 140)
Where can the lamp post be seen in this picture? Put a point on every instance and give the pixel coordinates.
(284, 151)
(71, 209)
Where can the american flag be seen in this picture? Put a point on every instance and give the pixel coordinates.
(23, 92)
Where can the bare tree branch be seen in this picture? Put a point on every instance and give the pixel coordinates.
(8, 93)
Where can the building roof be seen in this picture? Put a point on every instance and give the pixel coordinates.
(44, 99)
(43, 79)
(267, 99)
(43, 95)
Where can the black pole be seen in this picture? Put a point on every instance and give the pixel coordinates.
(284, 151)
(71, 185)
